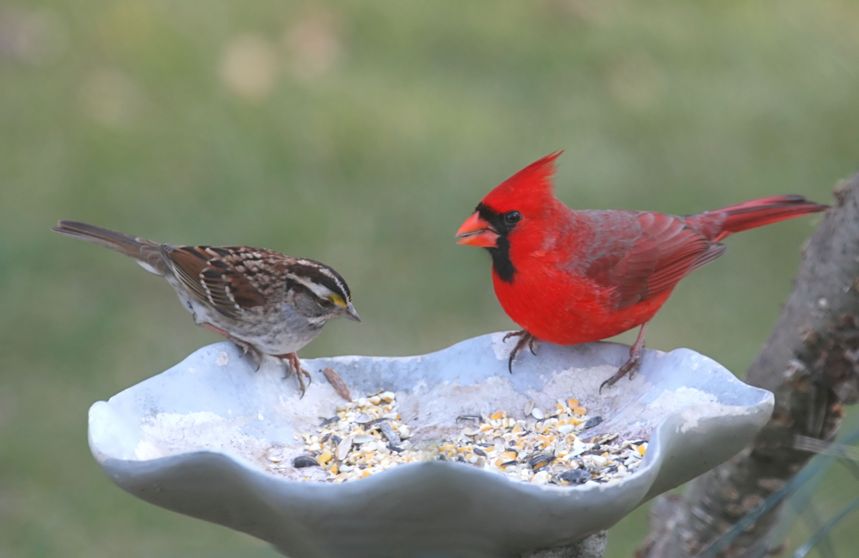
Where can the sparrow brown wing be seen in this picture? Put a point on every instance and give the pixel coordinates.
(217, 276)
(648, 255)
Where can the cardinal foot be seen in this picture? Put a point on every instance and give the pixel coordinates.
(525, 338)
(628, 368)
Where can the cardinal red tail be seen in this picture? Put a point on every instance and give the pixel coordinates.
(757, 213)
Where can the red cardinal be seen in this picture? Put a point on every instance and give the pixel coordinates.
(573, 276)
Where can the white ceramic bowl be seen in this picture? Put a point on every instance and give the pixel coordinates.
(193, 440)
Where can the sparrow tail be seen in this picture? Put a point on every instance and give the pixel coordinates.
(147, 253)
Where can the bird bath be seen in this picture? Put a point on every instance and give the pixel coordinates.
(194, 438)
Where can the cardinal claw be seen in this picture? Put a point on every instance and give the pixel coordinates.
(628, 368)
(531, 348)
(630, 374)
(525, 339)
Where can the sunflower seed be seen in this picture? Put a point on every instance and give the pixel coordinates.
(536, 445)
(343, 448)
(389, 434)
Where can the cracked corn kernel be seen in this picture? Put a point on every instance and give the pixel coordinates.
(352, 445)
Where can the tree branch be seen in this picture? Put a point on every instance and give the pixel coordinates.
(589, 547)
(811, 364)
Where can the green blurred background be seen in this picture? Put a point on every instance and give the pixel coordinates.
(362, 134)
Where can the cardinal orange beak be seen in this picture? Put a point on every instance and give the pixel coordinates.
(476, 232)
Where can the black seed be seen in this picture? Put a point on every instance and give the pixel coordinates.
(304, 461)
(540, 460)
(575, 476)
(593, 421)
(480, 452)
(326, 421)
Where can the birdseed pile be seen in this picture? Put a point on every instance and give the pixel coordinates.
(548, 446)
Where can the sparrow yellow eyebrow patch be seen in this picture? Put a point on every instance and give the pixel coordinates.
(338, 300)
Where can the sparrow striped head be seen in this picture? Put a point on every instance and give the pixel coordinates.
(325, 284)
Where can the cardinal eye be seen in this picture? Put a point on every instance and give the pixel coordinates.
(512, 217)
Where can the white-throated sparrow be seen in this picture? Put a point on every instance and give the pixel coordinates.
(266, 302)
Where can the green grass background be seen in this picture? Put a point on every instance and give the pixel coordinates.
(361, 134)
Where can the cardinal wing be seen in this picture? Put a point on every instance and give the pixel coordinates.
(649, 257)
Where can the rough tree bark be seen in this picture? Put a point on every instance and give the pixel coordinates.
(811, 363)
(589, 547)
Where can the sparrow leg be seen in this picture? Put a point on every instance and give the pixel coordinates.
(300, 373)
(247, 349)
(525, 338)
(631, 365)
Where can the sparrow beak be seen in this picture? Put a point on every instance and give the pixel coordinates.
(351, 313)
(475, 231)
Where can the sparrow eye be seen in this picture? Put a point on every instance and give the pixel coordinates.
(512, 217)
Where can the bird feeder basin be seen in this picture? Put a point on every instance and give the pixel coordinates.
(216, 440)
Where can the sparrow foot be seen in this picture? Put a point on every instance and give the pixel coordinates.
(250, 352)
(525, 338)
(300, 372)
